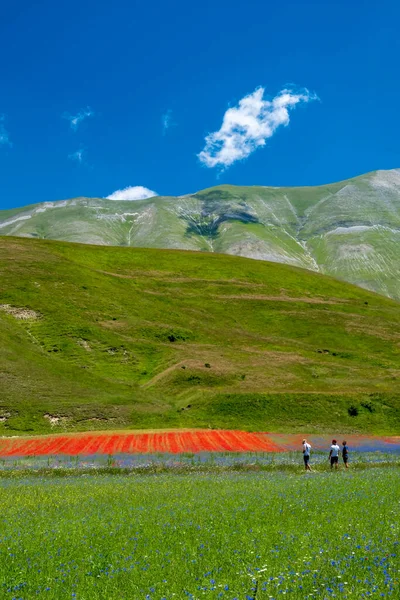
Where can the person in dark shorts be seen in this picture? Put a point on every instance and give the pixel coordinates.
(306, 455)
(334, 454)
(345, 454)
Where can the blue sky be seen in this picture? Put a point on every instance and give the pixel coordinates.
(99, 96)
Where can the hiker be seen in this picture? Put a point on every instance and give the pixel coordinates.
(345, 454)
(334, 454)
(306, 455)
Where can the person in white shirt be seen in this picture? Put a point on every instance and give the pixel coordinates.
(334, 454)
(306, 455)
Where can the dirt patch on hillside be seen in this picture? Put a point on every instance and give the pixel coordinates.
(84, 344)
(24, 314)
(120, 275)
(55, 419)
(275, 357)
(219, 282)
(379, 332)
(279, 298)
(165, 276)
(114, 324)
(151, 408)
(4, 417)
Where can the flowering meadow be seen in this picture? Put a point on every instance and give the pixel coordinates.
(187, 462)
(147, 442)
(232, 535)
(178, 442)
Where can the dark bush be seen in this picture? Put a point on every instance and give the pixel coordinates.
(353, 410)
(367, 404)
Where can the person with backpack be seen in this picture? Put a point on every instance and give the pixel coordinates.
(345, 454)
(306, 455)
(334, 454)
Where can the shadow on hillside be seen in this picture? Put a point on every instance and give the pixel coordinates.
(217, 207)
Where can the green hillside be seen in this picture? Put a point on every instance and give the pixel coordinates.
(99, 337)
(350, 229)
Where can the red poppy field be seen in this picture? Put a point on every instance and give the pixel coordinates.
(174, 442)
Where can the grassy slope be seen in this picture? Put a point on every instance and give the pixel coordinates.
(125, 335)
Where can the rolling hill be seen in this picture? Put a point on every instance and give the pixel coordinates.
(350, 230)
(95, 337)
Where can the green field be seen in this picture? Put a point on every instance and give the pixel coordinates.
(250, 536)
(128, 338)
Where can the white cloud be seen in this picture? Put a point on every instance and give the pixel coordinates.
(75, 120)
(4, 136)
(78, 156)
(167, 121)
(247, 126)
(136, 192)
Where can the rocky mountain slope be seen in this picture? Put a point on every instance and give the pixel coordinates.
(350, 229)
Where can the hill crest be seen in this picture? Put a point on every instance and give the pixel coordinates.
(350, 229)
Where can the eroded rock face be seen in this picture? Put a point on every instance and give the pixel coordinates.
(55, 419)
(24, 314)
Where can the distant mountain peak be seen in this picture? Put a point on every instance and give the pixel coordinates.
(349, 229)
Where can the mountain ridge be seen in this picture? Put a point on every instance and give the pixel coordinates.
(348, 229)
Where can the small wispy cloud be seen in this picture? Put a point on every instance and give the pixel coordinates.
(4, 135)
(248, 125)
(75, 120)
(136, 192)
(167, 121)
(78, 156)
